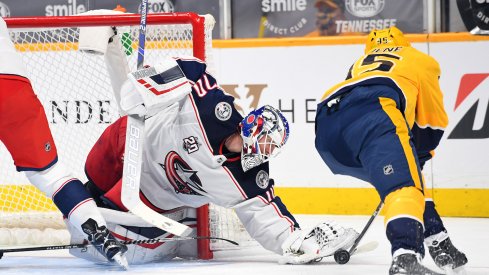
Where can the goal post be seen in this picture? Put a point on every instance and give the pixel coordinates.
(196, 21)
(74, 88)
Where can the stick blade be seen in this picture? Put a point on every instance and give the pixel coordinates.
(366, 247)
(160, 221)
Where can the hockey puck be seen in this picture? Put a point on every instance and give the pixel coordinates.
(341, 256)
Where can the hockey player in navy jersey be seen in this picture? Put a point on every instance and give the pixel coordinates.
(381, 125)
(25, 132)
(198, 149)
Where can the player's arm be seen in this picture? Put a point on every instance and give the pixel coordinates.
(431, 118)
(268, 221)
(107, 42)
(143, 92)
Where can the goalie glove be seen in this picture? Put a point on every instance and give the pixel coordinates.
(306, 246)
(152, 89)
(95, 39)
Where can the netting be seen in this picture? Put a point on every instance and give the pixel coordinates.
(74, 88)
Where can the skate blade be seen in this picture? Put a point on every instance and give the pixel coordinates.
(121, 260)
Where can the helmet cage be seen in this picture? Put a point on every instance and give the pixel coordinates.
(264, 132)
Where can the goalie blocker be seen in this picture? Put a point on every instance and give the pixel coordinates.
(152, 89)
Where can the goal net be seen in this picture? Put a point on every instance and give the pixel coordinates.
(74, 88)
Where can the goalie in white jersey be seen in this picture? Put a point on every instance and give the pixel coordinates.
(198, 149)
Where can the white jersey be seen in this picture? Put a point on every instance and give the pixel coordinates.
(10, 60)
(185, 162)
(179, 159)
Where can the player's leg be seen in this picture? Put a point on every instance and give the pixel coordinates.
(25, 132)
(388, 154)
(24, 128)
(439, 244)
(368, 137)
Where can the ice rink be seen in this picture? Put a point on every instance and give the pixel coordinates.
(471, 235)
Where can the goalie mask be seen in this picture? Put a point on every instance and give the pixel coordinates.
(264, 132)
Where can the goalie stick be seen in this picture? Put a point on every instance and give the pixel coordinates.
(131, 175)
(71, 246)
(142, 33)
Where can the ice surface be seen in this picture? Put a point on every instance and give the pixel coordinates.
(471, 235)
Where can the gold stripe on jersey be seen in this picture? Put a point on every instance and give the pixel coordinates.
(389, 107)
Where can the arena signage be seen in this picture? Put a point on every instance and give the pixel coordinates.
(474, 123)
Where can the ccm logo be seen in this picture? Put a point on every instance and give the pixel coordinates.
(131, 156)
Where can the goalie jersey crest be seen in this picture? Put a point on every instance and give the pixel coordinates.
(181, 175)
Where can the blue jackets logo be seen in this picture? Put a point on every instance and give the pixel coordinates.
(223, 111)
(262, 179)
(181, 176)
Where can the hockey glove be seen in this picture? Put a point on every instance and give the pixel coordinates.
(95, 39)
(150, 90)
(306, 246)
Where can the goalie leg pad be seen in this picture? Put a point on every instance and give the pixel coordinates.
(127, 227)
(136, 254)
(323, 240)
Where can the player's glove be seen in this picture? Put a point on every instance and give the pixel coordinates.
(306, 246)
(95, 39)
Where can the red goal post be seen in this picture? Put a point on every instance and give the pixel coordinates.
(42, 40)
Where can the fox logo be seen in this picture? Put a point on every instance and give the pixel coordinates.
(475, 122)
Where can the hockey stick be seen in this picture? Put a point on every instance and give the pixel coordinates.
(136, 242)
(366, 247)
(343, 256)
(142, 33)
(133, 157)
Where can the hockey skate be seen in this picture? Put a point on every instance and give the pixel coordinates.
(105, 243)
(445, 255)
(410, 265)
(312, 246)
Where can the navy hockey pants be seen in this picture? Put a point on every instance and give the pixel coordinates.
(356, 137)
(359, 137)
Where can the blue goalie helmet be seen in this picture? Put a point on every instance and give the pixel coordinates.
(264, 132)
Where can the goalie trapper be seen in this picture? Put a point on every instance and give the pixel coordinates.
(306, 246)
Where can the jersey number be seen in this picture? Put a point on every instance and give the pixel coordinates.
(382, 61)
